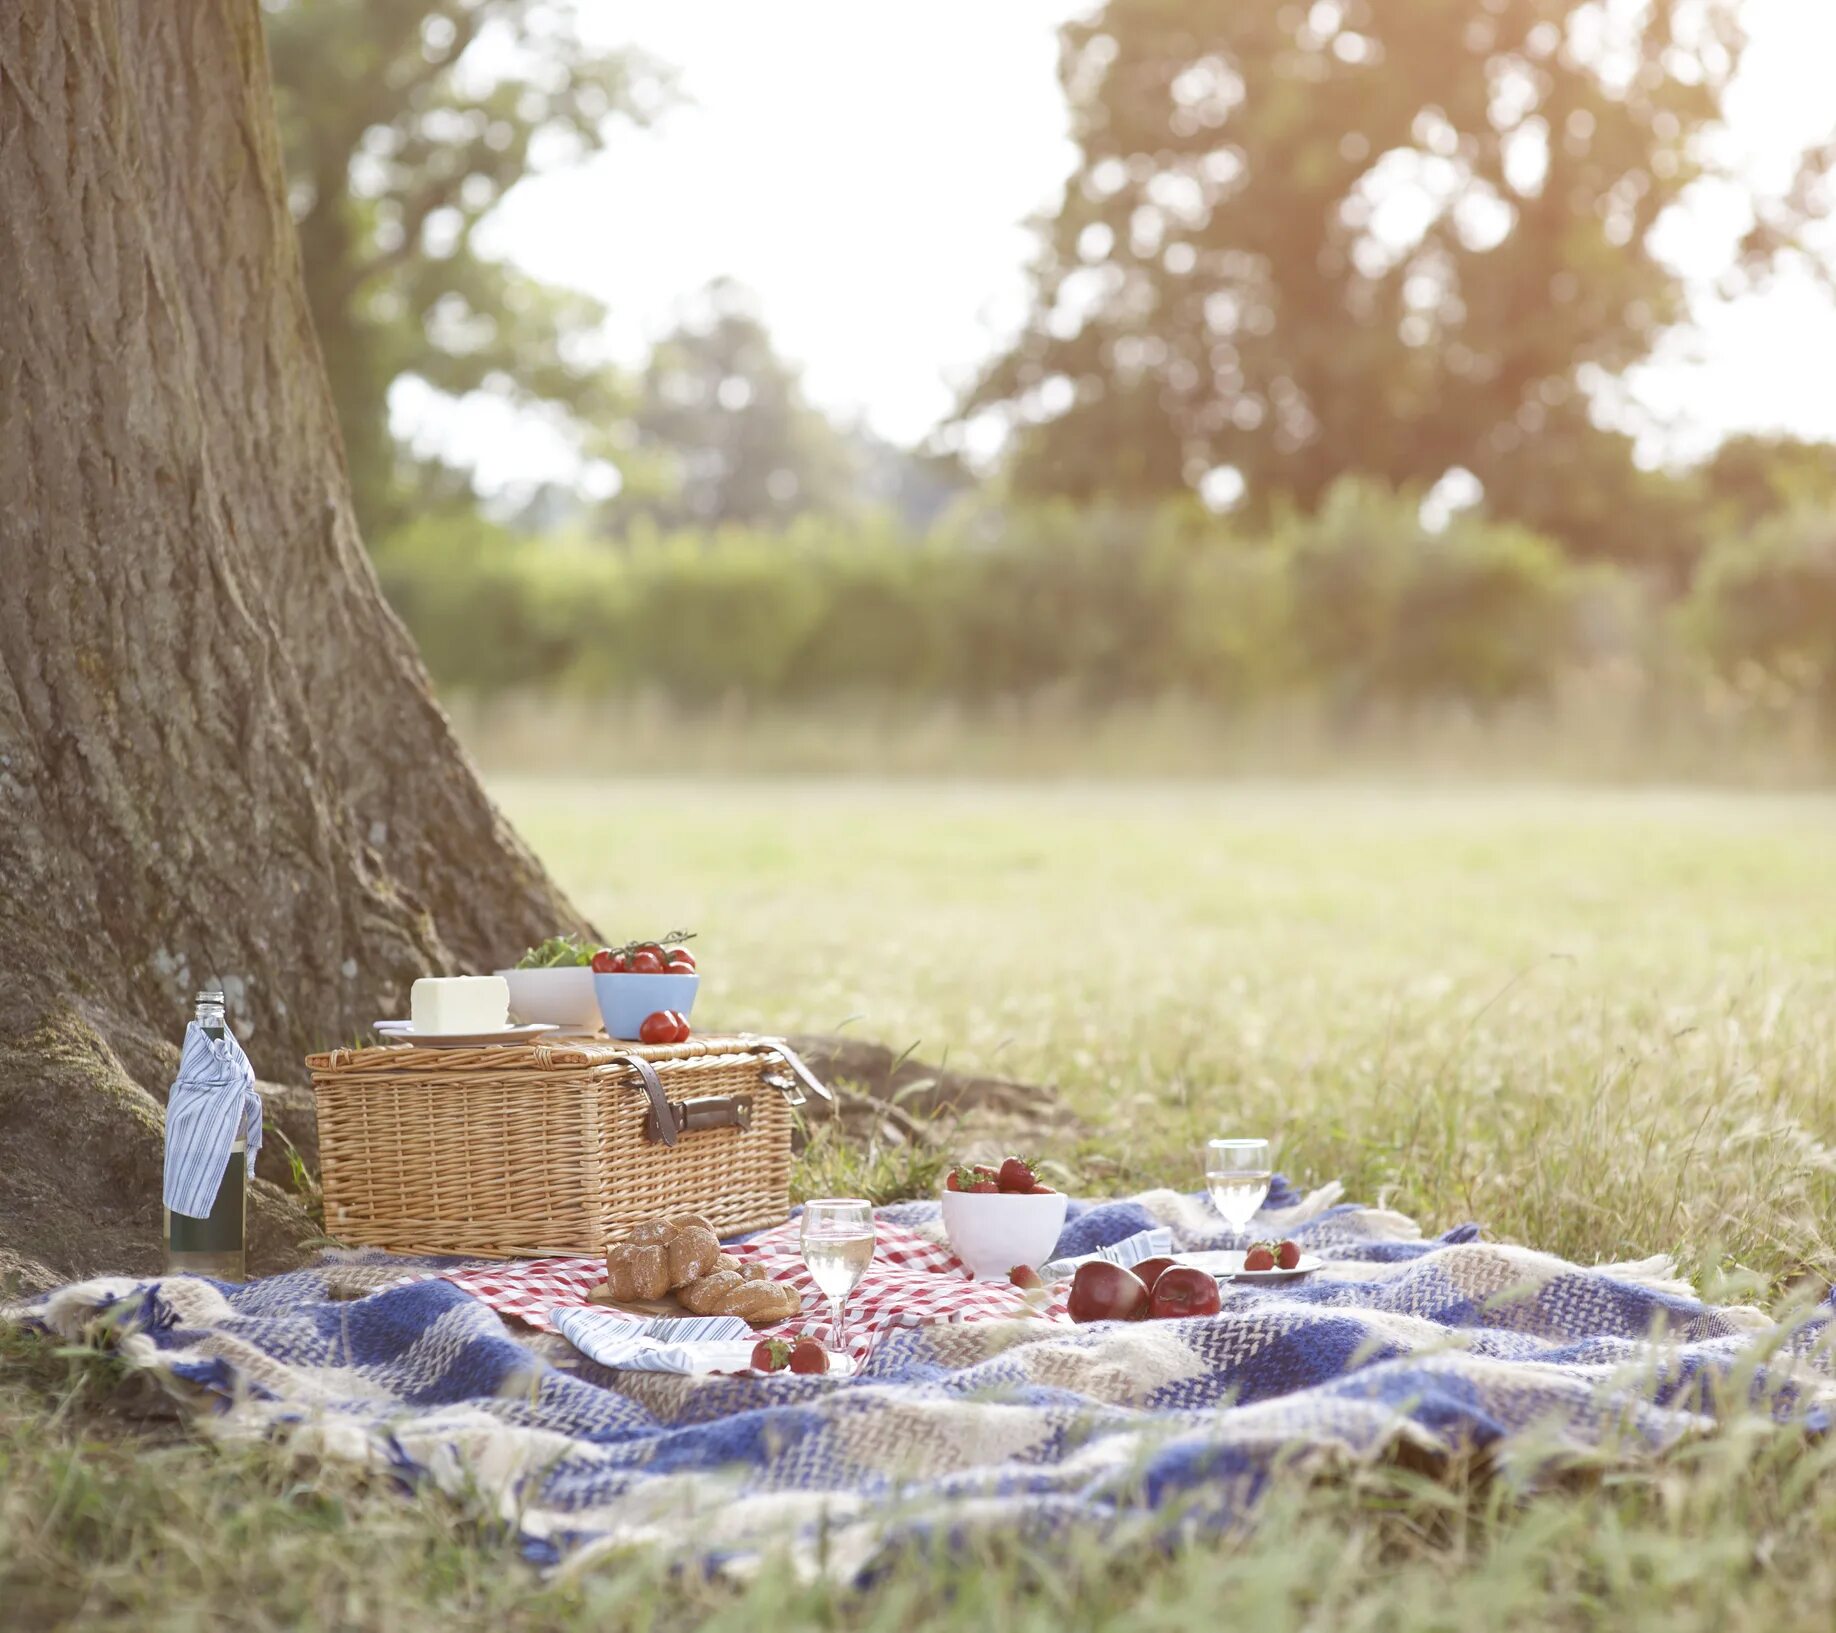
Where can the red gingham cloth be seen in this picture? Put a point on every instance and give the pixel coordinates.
(910, 1283)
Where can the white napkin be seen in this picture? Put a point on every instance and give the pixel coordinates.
(211, 1101)
(1131, 1250)
(686, 1344)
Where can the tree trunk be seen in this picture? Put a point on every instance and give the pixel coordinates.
(219, 755)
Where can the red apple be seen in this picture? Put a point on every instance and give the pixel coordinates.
(1149, 1271)
(1184, 1290)
(1101, 1291)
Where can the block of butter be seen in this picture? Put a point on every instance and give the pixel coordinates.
(444, 1005)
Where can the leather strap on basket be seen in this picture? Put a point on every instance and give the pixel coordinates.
(794, 1061)
(661, 1114)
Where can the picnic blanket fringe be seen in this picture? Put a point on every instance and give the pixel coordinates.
(1437, 1347)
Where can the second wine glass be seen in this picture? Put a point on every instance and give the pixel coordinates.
(837, 1248)
(1237, 1174)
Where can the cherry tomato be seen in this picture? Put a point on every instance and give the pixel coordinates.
(658, 1028)
(680, 957)
(607, 962)
(646, 962)
(682, 1026)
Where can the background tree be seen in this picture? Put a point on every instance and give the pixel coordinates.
(721, 431)
(219, 757)
(1750, 478)
(1305, 240)
(405, 123)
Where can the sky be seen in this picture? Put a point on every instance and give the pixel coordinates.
(868, 168)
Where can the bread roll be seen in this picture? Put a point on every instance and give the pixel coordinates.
(659, 1256)
(744, 1293)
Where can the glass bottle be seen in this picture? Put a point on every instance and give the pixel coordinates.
(218, 1246)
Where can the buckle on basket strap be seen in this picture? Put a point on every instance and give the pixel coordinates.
(786, 1083)
(705, 1112)
(660, 1124)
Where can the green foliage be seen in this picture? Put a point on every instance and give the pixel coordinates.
(1764, 606)
(1393, 240)
(399, 145)
(557, 953)
(1384, 609)
(833, 1165)
(1105, 606)
(1749, 478)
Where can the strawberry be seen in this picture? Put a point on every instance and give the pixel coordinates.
(1040, 1190)
(978, 1178)
(770, 1355)
(1288, 1255)
(1016, 1174)
(1259, 1258)
(987, 1170)
(985, 1186)
(1024, 1275)
(807, 1355)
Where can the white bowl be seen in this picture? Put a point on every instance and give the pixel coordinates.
(992, 1232)
(564, 997)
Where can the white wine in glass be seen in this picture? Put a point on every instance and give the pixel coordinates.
(837, 1248)
(1237, 1174)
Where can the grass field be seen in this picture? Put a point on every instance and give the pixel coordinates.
(1600, 1022)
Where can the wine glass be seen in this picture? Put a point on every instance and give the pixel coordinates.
(837, 1248)
(1237, 1174)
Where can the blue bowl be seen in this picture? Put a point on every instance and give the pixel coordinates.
(626, 1001)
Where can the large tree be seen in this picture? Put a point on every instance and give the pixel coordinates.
(1397, 239)
(219, 757)
(405, 123)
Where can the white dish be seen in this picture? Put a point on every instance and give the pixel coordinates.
(404, 1032)
(563, 997)
(992, 1231)
(1227, 1264)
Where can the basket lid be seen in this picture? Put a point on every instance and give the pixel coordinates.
(570, 1055)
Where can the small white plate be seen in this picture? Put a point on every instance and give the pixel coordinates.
(1227, 1263)
(404, 1032)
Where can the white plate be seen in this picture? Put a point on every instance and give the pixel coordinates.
(404, 1032)
(1227, 1264)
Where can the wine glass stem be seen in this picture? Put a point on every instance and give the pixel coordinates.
(839, 1307)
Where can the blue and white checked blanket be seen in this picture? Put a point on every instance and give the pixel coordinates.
(1437, 1347)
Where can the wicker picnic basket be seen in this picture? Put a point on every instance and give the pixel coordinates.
(515, 1152)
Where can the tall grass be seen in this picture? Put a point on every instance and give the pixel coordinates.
(1604, 726)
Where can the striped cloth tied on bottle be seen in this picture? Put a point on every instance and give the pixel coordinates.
(211, 1102)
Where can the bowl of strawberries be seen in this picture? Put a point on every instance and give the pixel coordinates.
(1001, 1215)
(643, 979)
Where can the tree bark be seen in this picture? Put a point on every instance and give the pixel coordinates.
(219, 755)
